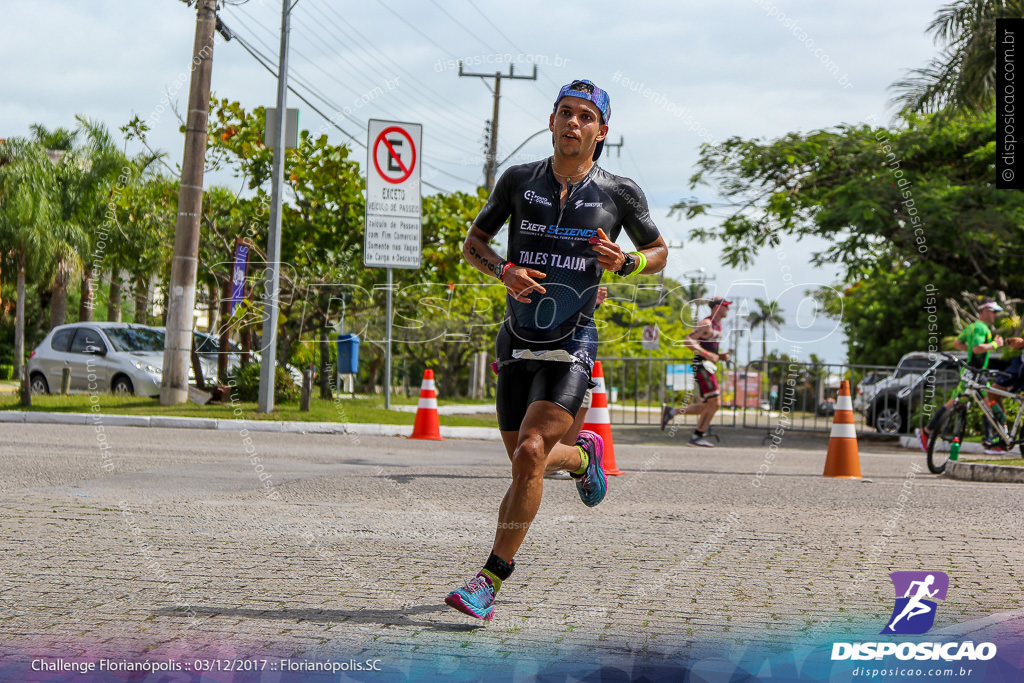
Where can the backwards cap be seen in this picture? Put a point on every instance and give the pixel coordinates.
(586, 90)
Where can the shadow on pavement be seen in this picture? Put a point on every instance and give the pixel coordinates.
(390, 617)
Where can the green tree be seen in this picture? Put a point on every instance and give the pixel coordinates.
(67, 239)
(906, 206)
(27, 216)
(962, 77)
(104, 170)
(88, 166)
(766, 314)
(143, 233)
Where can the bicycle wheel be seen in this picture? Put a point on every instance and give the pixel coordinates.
(950, 427)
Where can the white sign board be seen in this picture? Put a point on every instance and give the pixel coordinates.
(393, 203)
(679, 377)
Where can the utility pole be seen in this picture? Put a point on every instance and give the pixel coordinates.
(617, 145)
(268, 360)
(491, 158)
(182, 293)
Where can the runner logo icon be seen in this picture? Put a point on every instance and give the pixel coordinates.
(914, 613)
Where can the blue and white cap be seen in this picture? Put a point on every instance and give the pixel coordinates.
(586, 90)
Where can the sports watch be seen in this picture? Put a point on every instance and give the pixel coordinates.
(629, 266)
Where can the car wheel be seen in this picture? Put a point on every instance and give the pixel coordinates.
(122, 386)
(37, 384)
(888, 419)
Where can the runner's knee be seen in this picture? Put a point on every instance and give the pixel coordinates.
(529, 457)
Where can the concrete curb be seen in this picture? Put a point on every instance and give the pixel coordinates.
(971, 447)
(166, 422)
(182, 422)
(977, 471)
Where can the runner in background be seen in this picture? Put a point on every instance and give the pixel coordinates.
(704, 340)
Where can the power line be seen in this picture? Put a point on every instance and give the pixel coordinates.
(443, 49)
(510, 41)
(463, 26)
(260, 58)
(451, 138)
(451, 141)
(413, 81)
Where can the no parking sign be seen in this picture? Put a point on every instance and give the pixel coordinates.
(393, 203)
(651, 339)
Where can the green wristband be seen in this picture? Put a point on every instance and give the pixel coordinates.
(641, 263)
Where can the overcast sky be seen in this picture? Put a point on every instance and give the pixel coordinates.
(679, 73)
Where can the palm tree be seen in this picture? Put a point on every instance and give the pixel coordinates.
(766, 313)
(103, 166)
(963, 76)
(27, 217)
(68, 241)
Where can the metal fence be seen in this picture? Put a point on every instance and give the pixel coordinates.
(758, 397)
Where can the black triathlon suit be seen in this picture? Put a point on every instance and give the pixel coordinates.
(546, 348)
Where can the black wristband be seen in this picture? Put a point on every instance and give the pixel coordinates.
(628, 266)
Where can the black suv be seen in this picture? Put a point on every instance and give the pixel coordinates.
(898, 396)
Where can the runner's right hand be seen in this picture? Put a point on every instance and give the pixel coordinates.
(520, 282)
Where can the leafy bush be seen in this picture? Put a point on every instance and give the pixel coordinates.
(245, 384)
(6, 371)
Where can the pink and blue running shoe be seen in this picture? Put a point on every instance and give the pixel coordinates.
(476, 598)
(592, 484)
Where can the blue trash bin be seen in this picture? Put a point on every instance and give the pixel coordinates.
(348, 354)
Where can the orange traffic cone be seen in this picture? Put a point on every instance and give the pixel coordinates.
(599, 420)
(842, 461)
(427, 425)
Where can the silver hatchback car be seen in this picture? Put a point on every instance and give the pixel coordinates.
(101, 356)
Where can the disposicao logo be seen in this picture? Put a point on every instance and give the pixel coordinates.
(914, 614)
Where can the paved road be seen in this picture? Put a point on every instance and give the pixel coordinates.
(214, 543)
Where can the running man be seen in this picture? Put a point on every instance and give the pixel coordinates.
(914, 606)
(704, 340)
(978, 341)
(565, 213)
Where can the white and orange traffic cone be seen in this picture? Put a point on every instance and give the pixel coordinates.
(427, 425)
(598, 419)
(842, 461)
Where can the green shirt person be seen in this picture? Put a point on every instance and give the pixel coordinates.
(978, 341)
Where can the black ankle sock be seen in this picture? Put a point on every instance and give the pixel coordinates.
(699, 433)
(499, 567)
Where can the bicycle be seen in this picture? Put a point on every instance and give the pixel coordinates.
(953, 425)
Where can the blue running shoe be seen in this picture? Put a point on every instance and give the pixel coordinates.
(592, 484)
(476, 598)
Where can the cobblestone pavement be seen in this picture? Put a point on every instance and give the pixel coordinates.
(207, 543)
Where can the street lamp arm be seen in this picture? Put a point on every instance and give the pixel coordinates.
(513, 153)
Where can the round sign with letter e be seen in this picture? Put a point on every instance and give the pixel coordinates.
(394, 154)
(651, 339)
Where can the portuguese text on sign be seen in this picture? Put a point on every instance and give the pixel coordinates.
(393, 200)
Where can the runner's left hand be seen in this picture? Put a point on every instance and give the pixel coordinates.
(609, 254)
